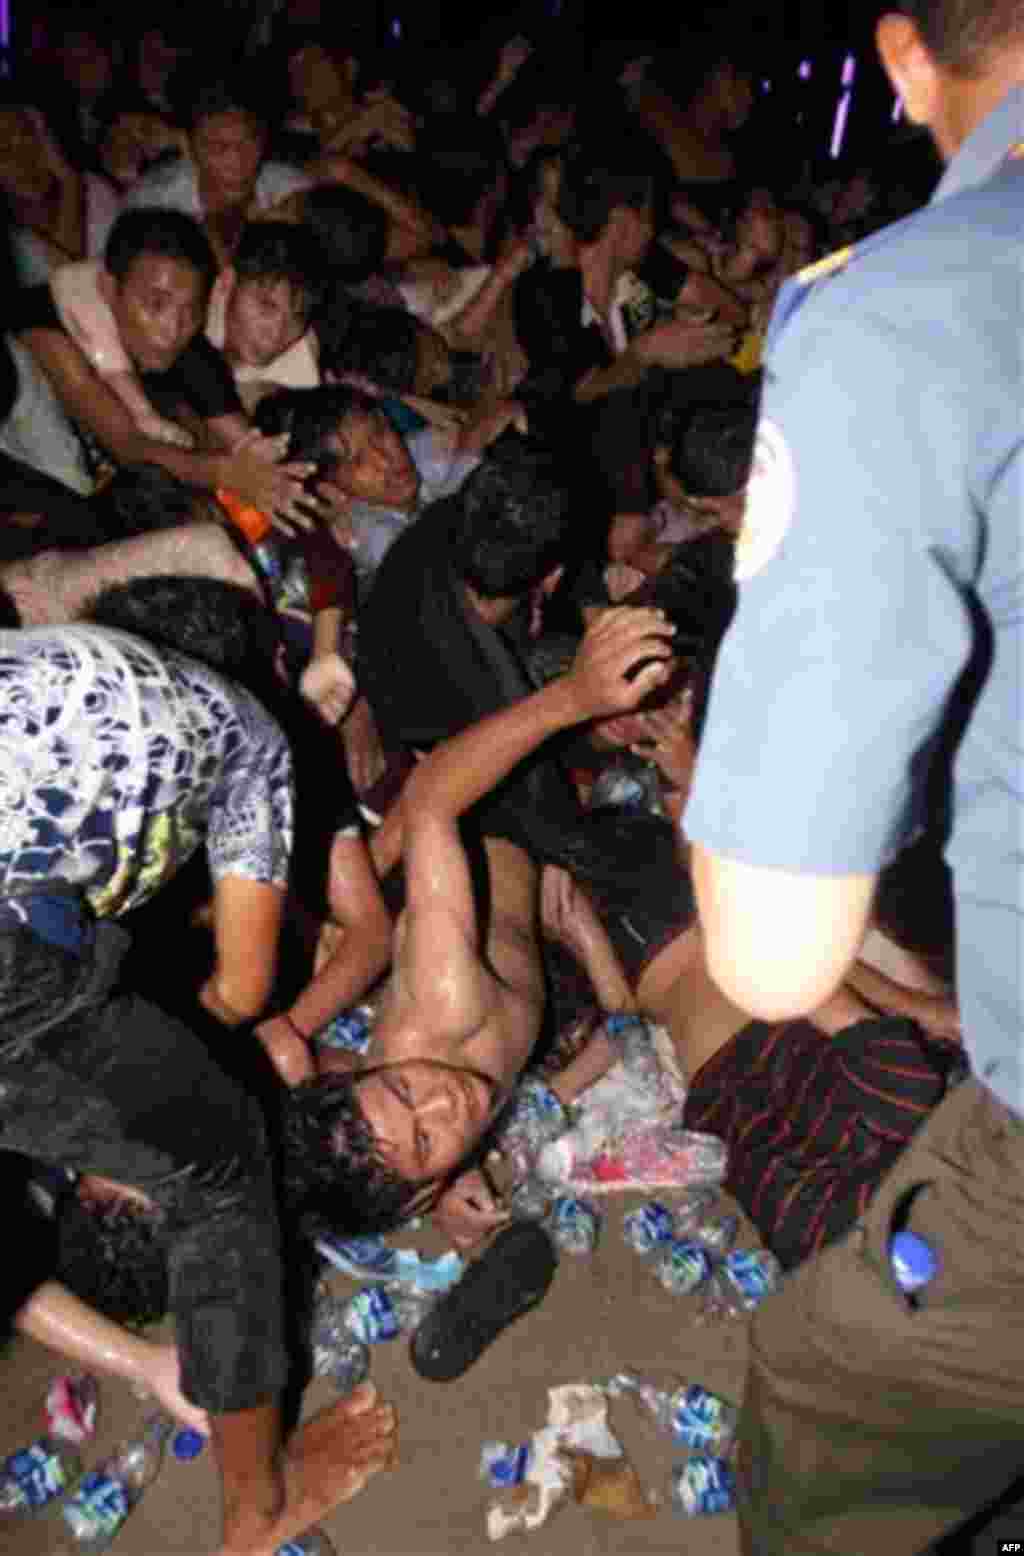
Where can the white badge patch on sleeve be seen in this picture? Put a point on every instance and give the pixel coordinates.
(771, 502)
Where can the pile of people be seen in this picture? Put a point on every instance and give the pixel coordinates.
(476, 544)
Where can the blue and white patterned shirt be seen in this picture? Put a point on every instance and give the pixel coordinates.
(116, 762)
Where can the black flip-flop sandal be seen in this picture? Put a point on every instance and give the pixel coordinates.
(508, 1279)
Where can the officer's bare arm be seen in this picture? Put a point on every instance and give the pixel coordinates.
(778, 944)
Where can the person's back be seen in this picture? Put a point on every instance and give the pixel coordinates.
(122, 758)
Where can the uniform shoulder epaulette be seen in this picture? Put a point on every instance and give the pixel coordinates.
(830, 265)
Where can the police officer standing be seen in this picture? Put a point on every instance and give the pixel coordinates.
(881, 551)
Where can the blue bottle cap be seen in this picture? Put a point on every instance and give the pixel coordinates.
(187, 1443)
(913, 1261)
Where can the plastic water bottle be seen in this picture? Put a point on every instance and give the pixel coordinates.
(338, 1354)
(106, 1495)
(534, 1119)
(914, 1263)
(33, 1476)
(376, 1313)
(313, 1543)
(692, 1415)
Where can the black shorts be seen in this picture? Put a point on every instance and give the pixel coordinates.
(642, 894)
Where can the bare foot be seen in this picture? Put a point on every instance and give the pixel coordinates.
(328, 1461)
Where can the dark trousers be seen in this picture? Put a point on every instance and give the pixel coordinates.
(103, 1081)
(874, 1424)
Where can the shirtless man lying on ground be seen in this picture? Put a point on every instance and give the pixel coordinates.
(458, 1023)
(462, 1010)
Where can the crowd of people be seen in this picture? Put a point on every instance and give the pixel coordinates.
(415, 480)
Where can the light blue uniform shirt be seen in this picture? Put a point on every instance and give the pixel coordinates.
(883, 526)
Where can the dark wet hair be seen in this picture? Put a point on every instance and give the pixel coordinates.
(331, 1170)
(113, 1255)
(309, 416)
(380, 343)
(199, 90)
(169, 234)
(141, 499)
(219, 623)
(512, 523)
(282, 251)
(351, 231)
(599, 175)
(713, 449)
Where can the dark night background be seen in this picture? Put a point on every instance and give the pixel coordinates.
(796, 113)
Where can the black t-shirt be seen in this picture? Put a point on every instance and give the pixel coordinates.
(200, 376)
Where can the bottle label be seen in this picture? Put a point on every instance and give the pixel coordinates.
(701, 1420)
(373, 1316)
(39, 1473)
(98, 1508)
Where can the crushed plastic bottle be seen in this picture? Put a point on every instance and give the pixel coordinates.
(370, 1258)
(36, 1474)
(647, 1227)
(682, 1266)
(703, 1485)
(376, 1313)
(106, 1495)
(349, 1031)
(692, 1415)
(717, 1233)
(533, 1120)
(741, 1282)
(574, 1224)
(337, 1353)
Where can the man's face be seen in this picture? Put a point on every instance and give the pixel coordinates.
(158, 307)
(264, 317)
(372, 463)
(228, 150)
(425, 1116)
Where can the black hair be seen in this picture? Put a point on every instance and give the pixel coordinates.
(512, 524)
(351, 231)
(963, 35)
(309, 416)
(331, 1170)
(713, 449)
(600, 175)
(169, 234)
(282, 251)
(380, 344)
(141, 499)
(113, 1255)
(219, 623)
(119, 100)
(460, 165)
(200, 90)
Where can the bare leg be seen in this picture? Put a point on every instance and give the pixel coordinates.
(57, 1318)
(270, 1497)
